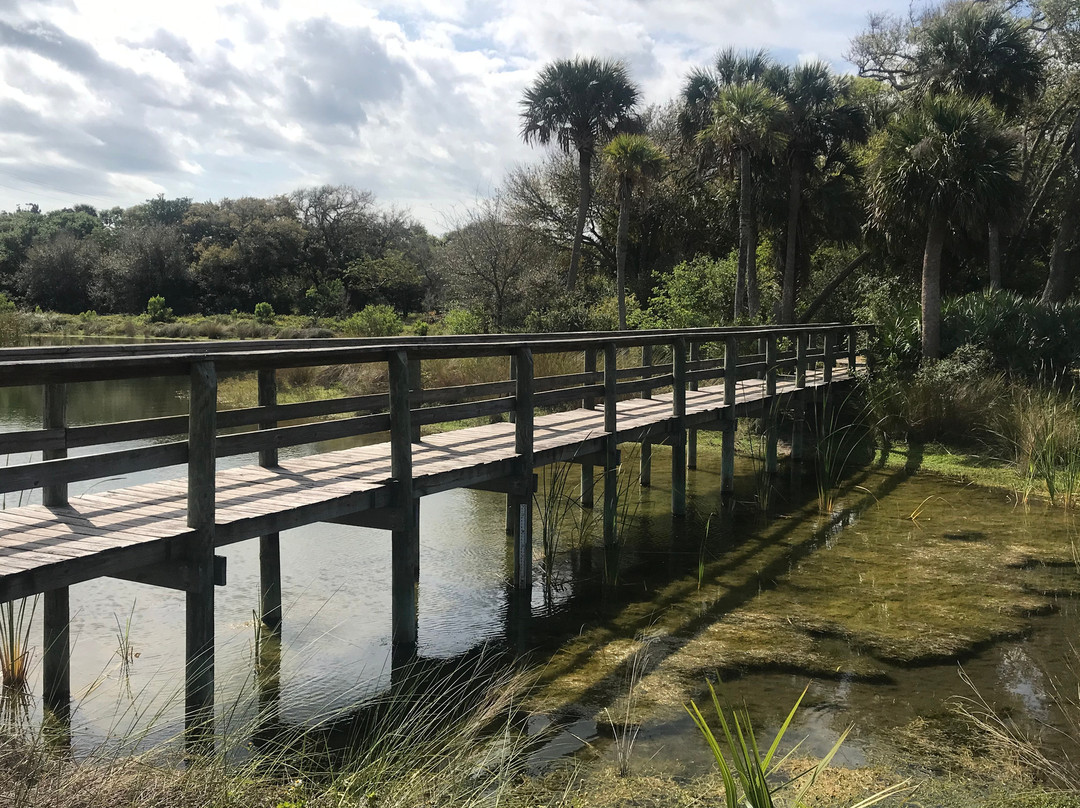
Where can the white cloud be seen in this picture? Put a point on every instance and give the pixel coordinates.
(115, 100)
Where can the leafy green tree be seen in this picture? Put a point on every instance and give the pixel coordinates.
(635, 159)
(58, 272)
(578, 104)
(944, 161)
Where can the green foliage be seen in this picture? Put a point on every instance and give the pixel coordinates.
(376, 320)
(694, 294)
(158, 311)
(325, 299)
(462, 321)
(264, 312)
(6, 304)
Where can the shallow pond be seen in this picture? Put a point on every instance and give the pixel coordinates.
(879, 601)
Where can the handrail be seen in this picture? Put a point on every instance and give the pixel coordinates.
(371, 413)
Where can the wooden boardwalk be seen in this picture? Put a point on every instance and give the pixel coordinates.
(164, 533)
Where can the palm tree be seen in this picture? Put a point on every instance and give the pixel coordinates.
(634, 159)
(981, 51)
(943, 161)
(821, 119)
(578, 103)
(746, 122)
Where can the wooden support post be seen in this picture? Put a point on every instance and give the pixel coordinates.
(828, 358)
(678, 439)
(405, 539)
(611, 467)
(56, 658)
(691, 434)
(771, 431)
(511, 513)
(852, 350)
(588, 479)
(270, 544)
(646, 445)
(727, 442)
(416, 393)
(798, 409)
(523, 446)
(202, 461)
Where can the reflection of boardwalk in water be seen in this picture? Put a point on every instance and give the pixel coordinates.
(164, 533)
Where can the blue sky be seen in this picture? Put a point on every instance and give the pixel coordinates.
(114, 101)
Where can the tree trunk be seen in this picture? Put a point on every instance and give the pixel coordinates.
(787, 296)
(584, 196)
(620, 249)
(931, 288)
(993, 255)
(1059, 282)
(832, 286)
(753, 294)
(744, 231)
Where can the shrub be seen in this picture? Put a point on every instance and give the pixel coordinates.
(376, 320)
(5, 303)
(462, 321)
(158, 311)
(264, 312)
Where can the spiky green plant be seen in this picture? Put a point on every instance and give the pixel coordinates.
(749, 772)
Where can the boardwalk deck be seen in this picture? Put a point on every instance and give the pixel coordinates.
(42, 548)
(164, 533)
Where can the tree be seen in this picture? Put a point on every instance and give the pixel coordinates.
(943, 161)
(746, 121)
(634, 159)
(578, 103)
(822, 119)
(485, 258)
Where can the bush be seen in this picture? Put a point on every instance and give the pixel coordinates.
(264, 313)
(5, 303)
(462, 321)
(373, 321)
(158, 311)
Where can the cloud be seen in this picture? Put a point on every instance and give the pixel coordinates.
(416, 100)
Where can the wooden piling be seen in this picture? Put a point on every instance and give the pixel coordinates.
(645, 469)
(199, 658)
(771, 432)
(727, 442)
(798, 406)
(611, 463)
(691, 434)
(270, 544)
(678, 436)
(56, 614)
(405, 537)
(523, 446)
(588, 478)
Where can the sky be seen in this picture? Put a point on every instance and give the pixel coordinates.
(112, 102)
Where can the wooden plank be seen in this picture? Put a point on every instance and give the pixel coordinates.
(91, 467)
(260, 440)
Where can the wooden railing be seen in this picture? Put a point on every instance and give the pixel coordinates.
(679, 360)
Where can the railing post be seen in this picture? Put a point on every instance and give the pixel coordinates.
(691, 434)
(611, 465)
(645, 471)
(270, 544)
(511, 416)
(852, 351)
(730, 422)
(798, 406)
(678, 437)
(523, 446)
(405, 537)
(202, 463)
(56, 617)
(588, 478)
(828, 358)
(770, 402)
(416, 393)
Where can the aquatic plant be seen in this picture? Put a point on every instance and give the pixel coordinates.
(749, 772)
(15, 651)
(625, 727)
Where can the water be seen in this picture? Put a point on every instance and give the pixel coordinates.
(878, 603)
